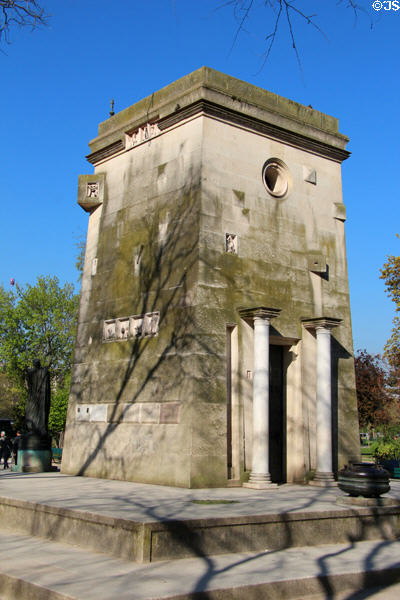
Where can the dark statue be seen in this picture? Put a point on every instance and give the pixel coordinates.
(37, 407)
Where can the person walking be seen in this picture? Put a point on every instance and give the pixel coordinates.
(15, 447)
(5, 449)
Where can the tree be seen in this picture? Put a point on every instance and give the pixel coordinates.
(8, 397)
(23, 13)
(80, 258)
(391, 275)
(37, 322)
(280, 11)
(376, 404)
(58, 409)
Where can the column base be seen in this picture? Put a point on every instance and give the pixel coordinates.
(260, 481)
(260, 486)
(323, 479)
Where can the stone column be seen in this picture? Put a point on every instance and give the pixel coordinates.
(324, 472)
(260, 477)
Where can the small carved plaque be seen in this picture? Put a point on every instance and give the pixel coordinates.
(98, 412)
(123, 329)
(150, 324)
(231, 243)
(136, 326)
(339, 211)
(142, 134)
(82, 413)
(91, 412)
(170, 412)
(126, 328)
(131, 413)
(310, 175)
(92, 190)
(109, 330)
(149, 412)
(317, 263)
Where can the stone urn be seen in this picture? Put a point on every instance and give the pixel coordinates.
(364, 479)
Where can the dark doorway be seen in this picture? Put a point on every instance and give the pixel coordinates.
(277, 416)
(229, 399)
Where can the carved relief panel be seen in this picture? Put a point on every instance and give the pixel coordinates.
(136, 326)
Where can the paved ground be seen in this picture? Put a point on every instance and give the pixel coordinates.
(142, 502)
(85, 575)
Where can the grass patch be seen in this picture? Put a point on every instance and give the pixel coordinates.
(366, 452)
(214, 501)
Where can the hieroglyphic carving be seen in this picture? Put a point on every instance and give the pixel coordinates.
(150, 323)
(109, 330)
(125, 328)
(136, 326)
(231, 243)
(92, 190)
(142, 134)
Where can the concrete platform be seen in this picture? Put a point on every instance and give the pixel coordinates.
(35, 569)
(69, 537)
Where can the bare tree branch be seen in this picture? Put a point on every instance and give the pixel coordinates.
(243, 8)
(242, 20)
(22, 13)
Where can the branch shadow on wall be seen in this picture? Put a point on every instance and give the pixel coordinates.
(178, 363)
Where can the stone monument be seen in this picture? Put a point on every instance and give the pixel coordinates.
(214, 345)
(34, 454)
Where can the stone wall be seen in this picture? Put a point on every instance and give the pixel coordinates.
(210, 197)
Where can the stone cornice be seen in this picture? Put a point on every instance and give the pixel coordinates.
(210, 109)
(261, 312)
(219, 96)
(321, 322)
(253, 124)
(106, 152)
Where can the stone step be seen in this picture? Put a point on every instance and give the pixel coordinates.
(155, 540)
(36, 569)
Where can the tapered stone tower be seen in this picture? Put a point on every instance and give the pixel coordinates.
(214, 344)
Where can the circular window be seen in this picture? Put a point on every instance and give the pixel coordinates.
(276, 177)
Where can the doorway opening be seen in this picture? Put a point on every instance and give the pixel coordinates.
(232, 405)
(277, 415)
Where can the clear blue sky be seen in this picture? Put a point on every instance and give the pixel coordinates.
(57, 82)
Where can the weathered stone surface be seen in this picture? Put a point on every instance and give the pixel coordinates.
(169, 412)
(179, 398)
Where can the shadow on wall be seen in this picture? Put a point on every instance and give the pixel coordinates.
(183, 359)
(350, 438)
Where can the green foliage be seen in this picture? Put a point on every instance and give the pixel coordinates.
(390, 431)
(376, 405)
(37, 321)
(8, 396)
(18, 413)
(391, 275)
(366, 451)
(386, 449)
(80, 258)
(58, 408)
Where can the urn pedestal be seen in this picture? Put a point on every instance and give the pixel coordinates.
(34, 454)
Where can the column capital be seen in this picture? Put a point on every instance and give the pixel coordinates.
(321, 323)
(261, 312)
